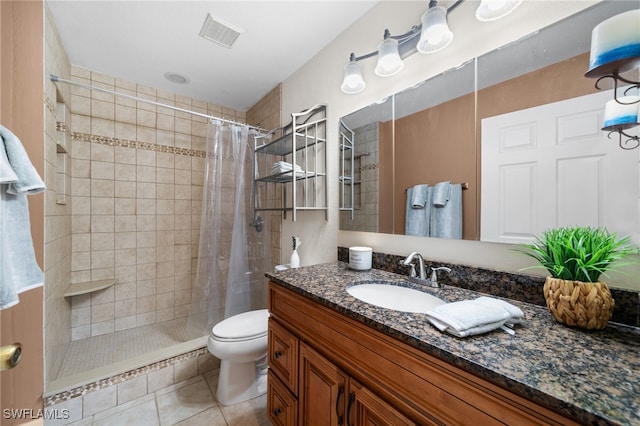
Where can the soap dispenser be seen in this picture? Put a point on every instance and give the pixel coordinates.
(295, 258)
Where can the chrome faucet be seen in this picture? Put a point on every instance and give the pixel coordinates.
(421, 276)
(422, 271)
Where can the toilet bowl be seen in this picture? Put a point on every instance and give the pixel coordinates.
(240, 342)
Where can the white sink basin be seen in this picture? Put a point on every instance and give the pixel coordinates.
(394, 297)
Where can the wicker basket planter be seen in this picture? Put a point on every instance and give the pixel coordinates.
(579, 304)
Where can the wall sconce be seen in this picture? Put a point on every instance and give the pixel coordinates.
(434, 35)
(615, 49)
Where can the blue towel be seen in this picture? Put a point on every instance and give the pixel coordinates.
(446, 220)
(420, 196)
(28, 181)
(18, 268)
(417, 220)
(441, 193)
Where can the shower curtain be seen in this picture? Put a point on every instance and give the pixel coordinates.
(233, 253)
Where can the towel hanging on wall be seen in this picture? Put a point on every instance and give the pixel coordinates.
(417, 219)
(446, 216)
(19, 270)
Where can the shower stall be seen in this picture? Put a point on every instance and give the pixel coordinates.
(157, 205)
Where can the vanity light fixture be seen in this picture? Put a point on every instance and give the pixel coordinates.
(615, 49)
(353, 82)
(432, 35)
(490, 10)
(389, 61)
(435, 34)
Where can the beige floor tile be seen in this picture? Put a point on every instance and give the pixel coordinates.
(248, 413)
(184, 402)
(211, 417)
(139, 412)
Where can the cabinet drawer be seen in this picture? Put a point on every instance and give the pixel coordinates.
(283, 355)
(282, 405)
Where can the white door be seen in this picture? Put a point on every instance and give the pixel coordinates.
(551, 166)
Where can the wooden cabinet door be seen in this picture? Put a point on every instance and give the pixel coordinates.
(322, 399)
(282, 405)
(283, 355)
(367, 409)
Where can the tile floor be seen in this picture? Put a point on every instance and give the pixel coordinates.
(187, 403)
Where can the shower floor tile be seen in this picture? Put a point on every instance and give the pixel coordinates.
(95, 352)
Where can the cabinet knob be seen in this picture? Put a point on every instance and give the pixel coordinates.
(277, 353)
(277, 411)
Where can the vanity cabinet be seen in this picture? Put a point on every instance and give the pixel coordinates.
(326, 395)
(349, 373)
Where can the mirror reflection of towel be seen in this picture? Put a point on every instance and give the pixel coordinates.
(441, 193)
(420, 196)
(417, 219)
(446, 219)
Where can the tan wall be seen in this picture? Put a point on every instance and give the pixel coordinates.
(21, 93)
(434, 145)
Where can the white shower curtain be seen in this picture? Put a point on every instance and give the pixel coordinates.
(233, 254)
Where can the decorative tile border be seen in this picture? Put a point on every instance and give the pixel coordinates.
(372, 166)
(125, 143)
(119, 378)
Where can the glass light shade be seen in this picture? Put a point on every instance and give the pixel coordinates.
(615, 45)
(623, 113)
(353, 82)
(435, 34)
(490, 10)
(389, 61)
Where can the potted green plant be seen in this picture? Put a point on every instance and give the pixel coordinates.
(576, 258)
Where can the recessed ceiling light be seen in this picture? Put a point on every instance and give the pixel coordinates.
(174, 77)
(219, 31)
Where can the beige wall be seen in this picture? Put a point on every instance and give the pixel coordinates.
(472, 38)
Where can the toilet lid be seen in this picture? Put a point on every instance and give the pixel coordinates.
(245, 325)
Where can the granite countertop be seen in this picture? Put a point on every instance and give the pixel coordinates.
(590, 376)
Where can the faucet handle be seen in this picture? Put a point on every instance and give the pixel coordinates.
(412, 272)
(434, 273)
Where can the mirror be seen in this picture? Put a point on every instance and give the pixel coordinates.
(546, 67)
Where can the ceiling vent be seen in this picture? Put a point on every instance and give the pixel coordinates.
(216, 30)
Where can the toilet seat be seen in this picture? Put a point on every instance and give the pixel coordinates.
(244, 326)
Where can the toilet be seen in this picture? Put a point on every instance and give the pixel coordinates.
(240, 342)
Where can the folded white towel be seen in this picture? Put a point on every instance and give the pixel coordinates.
(516, 313)
(283, 166)
(420, 196)
(467, 317)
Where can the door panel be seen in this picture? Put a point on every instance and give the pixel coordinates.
(21, 111)
(551, 166)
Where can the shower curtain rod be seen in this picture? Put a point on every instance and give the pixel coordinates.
(55, 78)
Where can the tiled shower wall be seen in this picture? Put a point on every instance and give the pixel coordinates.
(366, 173)
(57, 220)
(137, 172)
(123, 200)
